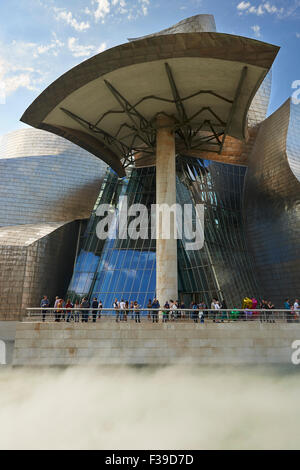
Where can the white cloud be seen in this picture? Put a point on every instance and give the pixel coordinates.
(23, 80)
(14, 76)
(67, 16)
(270, 8)
(256, 29)
(102, 10)
(122, 6)
(298, 35)
(79, 50)
(24, 49)
(112, 8)
(144, 6)
(18, 64)
(243, 6)
(54, 47)
(259, 10)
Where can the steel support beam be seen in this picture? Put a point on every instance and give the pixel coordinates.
(234, 105)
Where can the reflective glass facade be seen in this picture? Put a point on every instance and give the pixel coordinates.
(118, 268)
(127, 268)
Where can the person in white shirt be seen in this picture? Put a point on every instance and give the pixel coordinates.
(122, 309)
(173, 308)
(297, 310)
(217, 307)
(116, 306)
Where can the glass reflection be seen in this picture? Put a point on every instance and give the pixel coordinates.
(127, 268)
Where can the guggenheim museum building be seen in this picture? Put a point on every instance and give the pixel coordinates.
(179, 116)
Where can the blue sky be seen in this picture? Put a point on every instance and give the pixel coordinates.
(42, 39)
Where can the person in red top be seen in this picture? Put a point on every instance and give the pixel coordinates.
(254, 307)
(68, 307)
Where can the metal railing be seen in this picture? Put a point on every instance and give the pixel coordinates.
(161, 315)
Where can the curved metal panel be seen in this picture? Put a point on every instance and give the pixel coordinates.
(293, 140)
(193, 24)
(35, 260)
(45, 178)
(272, 204)
(259, 107)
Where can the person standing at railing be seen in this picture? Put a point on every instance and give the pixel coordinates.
(297, 310)
(173, 308)
(116, 306)
(195, 313)
(182, 307)
(149, 306)
(224, 314)
(69, 307)
(254, 307)
(85, 314)
(131, 310)
(59, 311)
(201, 307)
(55, 306)
(126, 312)
(94, 309)
(100, 307)
(178, 312)
(44, 304)
(287, 306)
(165, 312)
(122, 310)
(137, 314)
(263, 306)
(234, 315)
(217, 314)
(270, 313)
(214, 306)
(155, 305)
(76, 311)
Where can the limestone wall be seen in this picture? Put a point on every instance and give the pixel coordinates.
(107, 343)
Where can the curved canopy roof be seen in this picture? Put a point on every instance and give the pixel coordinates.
(109, 103)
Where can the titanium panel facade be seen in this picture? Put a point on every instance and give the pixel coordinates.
(259, 107)
(193, 24)
(34, 260)
(272, 204)
(45, 178)
(46, 183)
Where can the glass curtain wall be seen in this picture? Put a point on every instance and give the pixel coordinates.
(112, 268)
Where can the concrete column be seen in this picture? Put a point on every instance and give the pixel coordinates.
(166, 249)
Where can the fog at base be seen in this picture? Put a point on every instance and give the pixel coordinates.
(166, 408)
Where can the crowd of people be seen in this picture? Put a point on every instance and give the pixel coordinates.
(252, 305)
(124, 310)
(170, 311)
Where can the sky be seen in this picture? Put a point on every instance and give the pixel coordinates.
(42, 39)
